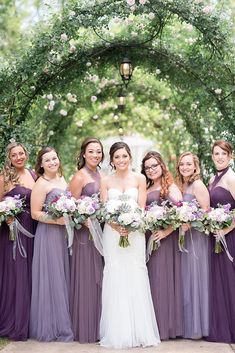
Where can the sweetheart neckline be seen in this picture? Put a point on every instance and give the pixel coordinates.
(123, 192)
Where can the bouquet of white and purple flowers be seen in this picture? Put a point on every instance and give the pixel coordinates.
(62, 205)
(125, 212)
(11, 206)
(156, 217)
(86, 207)
(186, 212)
(217, 219)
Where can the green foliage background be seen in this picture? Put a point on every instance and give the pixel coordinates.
(181, 94)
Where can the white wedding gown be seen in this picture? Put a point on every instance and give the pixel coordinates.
(128, 318)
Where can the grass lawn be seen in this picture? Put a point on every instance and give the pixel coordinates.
(3, 342)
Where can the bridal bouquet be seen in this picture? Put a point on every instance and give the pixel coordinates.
(86, 206)
(125, 212)
(11, 206)
(217, 219)
(156, 217)
(186, 212)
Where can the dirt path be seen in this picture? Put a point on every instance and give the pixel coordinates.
(172, 346)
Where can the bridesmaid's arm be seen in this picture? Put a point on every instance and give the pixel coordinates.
(142, 191)
(231, 187)
(174, 193)
(104, 189)
(231, 184)
(38, 197)
(76, 185)
(202, 195)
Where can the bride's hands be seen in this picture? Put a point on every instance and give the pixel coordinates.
(121, 230)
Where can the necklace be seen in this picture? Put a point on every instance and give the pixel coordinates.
(221, 170)
(47, 178)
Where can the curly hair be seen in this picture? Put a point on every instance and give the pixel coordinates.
(80, 159)
(9, 172)
(38, 166)
(195, 176)
(166, 177)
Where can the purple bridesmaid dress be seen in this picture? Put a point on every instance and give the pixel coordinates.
(166, 285)
(86, 280)
(222, 279)
(194, 266)
(49, 317)
(15, 275)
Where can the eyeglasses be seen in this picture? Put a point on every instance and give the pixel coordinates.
(153, 167)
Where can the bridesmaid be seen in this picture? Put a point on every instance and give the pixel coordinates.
(15, 274)
(49, 317)
(222, 270)
(86, 262)
(194, 264)
(164, 263)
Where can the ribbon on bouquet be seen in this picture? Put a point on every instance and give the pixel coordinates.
(181, 240)
(70, 232)
(221, 239)
(15, 228)
(97, 234)
(193, 247)
(150, 246)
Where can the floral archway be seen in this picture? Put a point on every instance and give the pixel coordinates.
(64, 86)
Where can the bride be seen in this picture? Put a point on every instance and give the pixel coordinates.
(127, 318)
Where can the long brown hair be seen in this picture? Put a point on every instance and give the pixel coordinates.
(81, 160)
(166, 178)
(194, 176)
(9, 172)
(38, 167)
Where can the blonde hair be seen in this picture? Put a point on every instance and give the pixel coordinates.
(196, 175)
(9, 172)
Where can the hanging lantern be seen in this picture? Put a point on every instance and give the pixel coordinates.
(121, 100)
(126, 70)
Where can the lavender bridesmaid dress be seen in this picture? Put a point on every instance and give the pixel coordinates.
(49, 318)
(222, 279)
(86, 281)
(194, 265)
(15, 275)
(164, 269)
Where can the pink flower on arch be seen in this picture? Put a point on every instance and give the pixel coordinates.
(130, 2)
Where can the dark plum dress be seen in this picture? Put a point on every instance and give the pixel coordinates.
(195, 280)
(164, 269)
(222, 279)
(49, 317)
(15, 275)
(86, 266)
